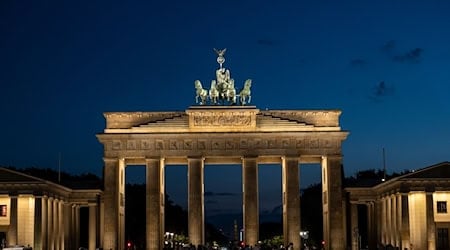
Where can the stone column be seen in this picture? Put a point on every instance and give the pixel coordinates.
(396, 227)
(12, 230)
(398, 197)
(61, 224)
(196, 216)
(354, 226)
(371, 224)
(111, 199)
(77, 226)
(418, 219)
(334, 234)
(389, 220)
(250, 201)
(383, 221)
(44, 224)
(291, 201)
(394, 231)
(92, 226)
(155, 203)
(50, 238)
(405, 235)
(72, 227)
(56, 224)
(431, 226)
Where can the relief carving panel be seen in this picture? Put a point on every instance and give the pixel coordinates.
(222, 119)
(223, 144)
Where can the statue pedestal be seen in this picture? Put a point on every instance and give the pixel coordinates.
(222, 118)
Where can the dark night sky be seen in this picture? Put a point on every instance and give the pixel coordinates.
(384, 63)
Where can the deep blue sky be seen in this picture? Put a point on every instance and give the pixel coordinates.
(384, 63)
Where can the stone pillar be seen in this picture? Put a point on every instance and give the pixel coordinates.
(50, 238)
(111, 199)
(334, 234)
(61, 224)
(417, 220)
(12, 230)
(56, 224)
(405, 236)
(196, 216)
(44, 224)
(398, 197)
(395, 228)
(354, 226)
(155, 203)
(291, 201)
(38, 221)
(388, 220)
(371, 226)
(431, 226)
(250, 200)
(92, 226)
(383, 221)
(73, 228)
(77, 226)
(25, 219)
(394, 231)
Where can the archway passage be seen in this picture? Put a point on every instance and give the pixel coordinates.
(223, 135)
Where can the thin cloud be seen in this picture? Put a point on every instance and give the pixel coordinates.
(358, 62)
(412, 56)
(380, 91)
(388, 47)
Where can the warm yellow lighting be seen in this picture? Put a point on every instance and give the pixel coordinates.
(25, 220)
(417, 219)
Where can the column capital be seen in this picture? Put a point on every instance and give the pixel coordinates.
(189, 158)
(153, 159)
(249, 158)
(338, 156)
(13, 195)
(110, 159)
(290, 157)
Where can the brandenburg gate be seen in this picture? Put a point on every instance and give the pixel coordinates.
(222, 134)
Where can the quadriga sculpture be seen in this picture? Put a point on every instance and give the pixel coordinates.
(200, 93)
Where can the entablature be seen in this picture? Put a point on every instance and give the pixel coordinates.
(221, 144)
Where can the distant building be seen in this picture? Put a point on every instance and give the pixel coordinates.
(410, 211)
(45, 215)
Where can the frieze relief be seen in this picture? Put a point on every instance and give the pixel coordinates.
(230, 144)
(222, 119)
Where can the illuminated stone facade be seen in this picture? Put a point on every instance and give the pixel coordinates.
(223, 135)
(45, 215)
(408, 212)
